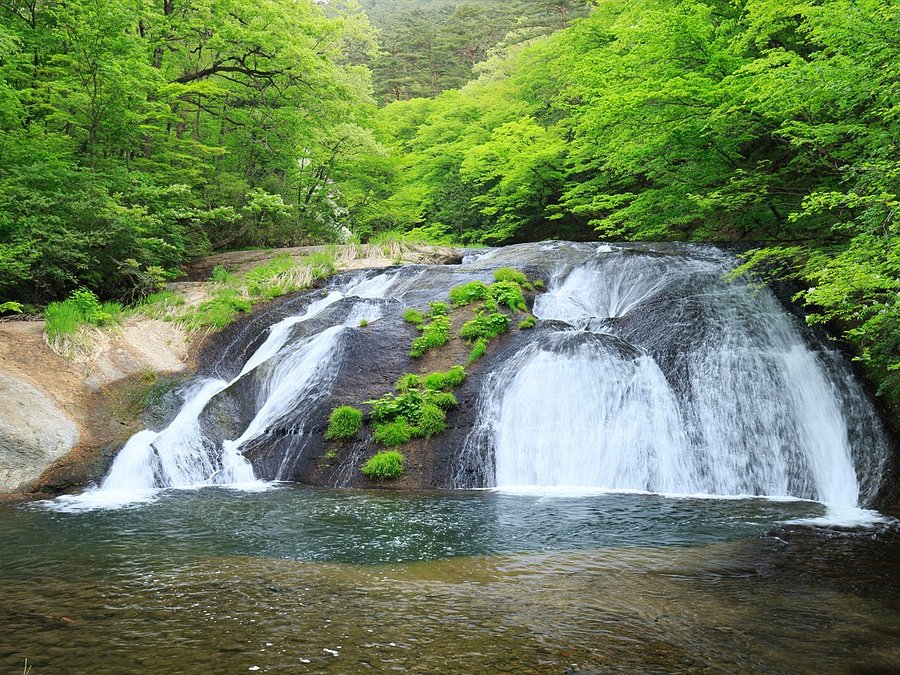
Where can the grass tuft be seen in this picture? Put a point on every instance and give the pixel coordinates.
(413, 316)
(344, 422)
(484, 327)
(478, 350)
(431, 420)
(509, 293)
(393, 433)
(434, 334)
(510, 274)
(62, 318)
(385, 465)
(466, 294)
(445, 380)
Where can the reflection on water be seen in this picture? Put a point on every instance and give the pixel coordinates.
(309, 580)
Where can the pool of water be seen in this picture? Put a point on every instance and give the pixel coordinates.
(305, 580)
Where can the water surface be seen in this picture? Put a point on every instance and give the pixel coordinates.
(305, 580)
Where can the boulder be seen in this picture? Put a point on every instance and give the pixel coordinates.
(34, 433)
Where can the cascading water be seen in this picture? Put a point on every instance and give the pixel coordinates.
(647, 372)
(182, 455)
(666, 378)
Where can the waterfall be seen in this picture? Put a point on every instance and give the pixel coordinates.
(286, 372)
(617, 399)
(656, 374)
(647, 371)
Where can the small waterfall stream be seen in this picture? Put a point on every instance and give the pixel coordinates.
(287, 370)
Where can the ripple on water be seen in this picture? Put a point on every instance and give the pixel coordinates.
(323, 581)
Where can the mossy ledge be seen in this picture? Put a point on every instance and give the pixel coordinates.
(414, 414)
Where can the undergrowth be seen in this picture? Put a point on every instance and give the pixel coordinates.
(232, 294)
(385, 465)
(417, 407)
(66, 322)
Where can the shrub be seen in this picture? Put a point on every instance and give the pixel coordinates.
(14, 307)
(478, 350)
(384, 465)
(434, 334)
(389, 407)
(408, 381)
(438, 308)
(468, 293)
(395, 432)
(538, 283)
(414, 410)
(508, 293)
(408, 406)
(431, 420)
(486, 326)
(411, 315)
(89, 306)
(344, 422)
(445, 380)
(510, 274)
(527, 322)
(442, 399)
(363, 323)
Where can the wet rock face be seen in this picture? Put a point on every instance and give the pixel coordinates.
(34, 433)
(366, 366)
(661, 312)
(363, 363)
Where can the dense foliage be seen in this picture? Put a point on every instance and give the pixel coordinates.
(428, 46)
(135, 134)
(761, 120)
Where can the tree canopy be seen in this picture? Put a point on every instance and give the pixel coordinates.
(148, 132)
(137, 133)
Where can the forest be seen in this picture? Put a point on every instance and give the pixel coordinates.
(138, 134)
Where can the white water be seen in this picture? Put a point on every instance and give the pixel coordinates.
(754, 410)
(583, 399)
(180, 456)
(666, 380)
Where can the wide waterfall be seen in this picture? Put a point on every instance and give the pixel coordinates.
(655, 373)
(648, 370)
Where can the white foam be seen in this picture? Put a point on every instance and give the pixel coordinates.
(845, 517)
(583, 491)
